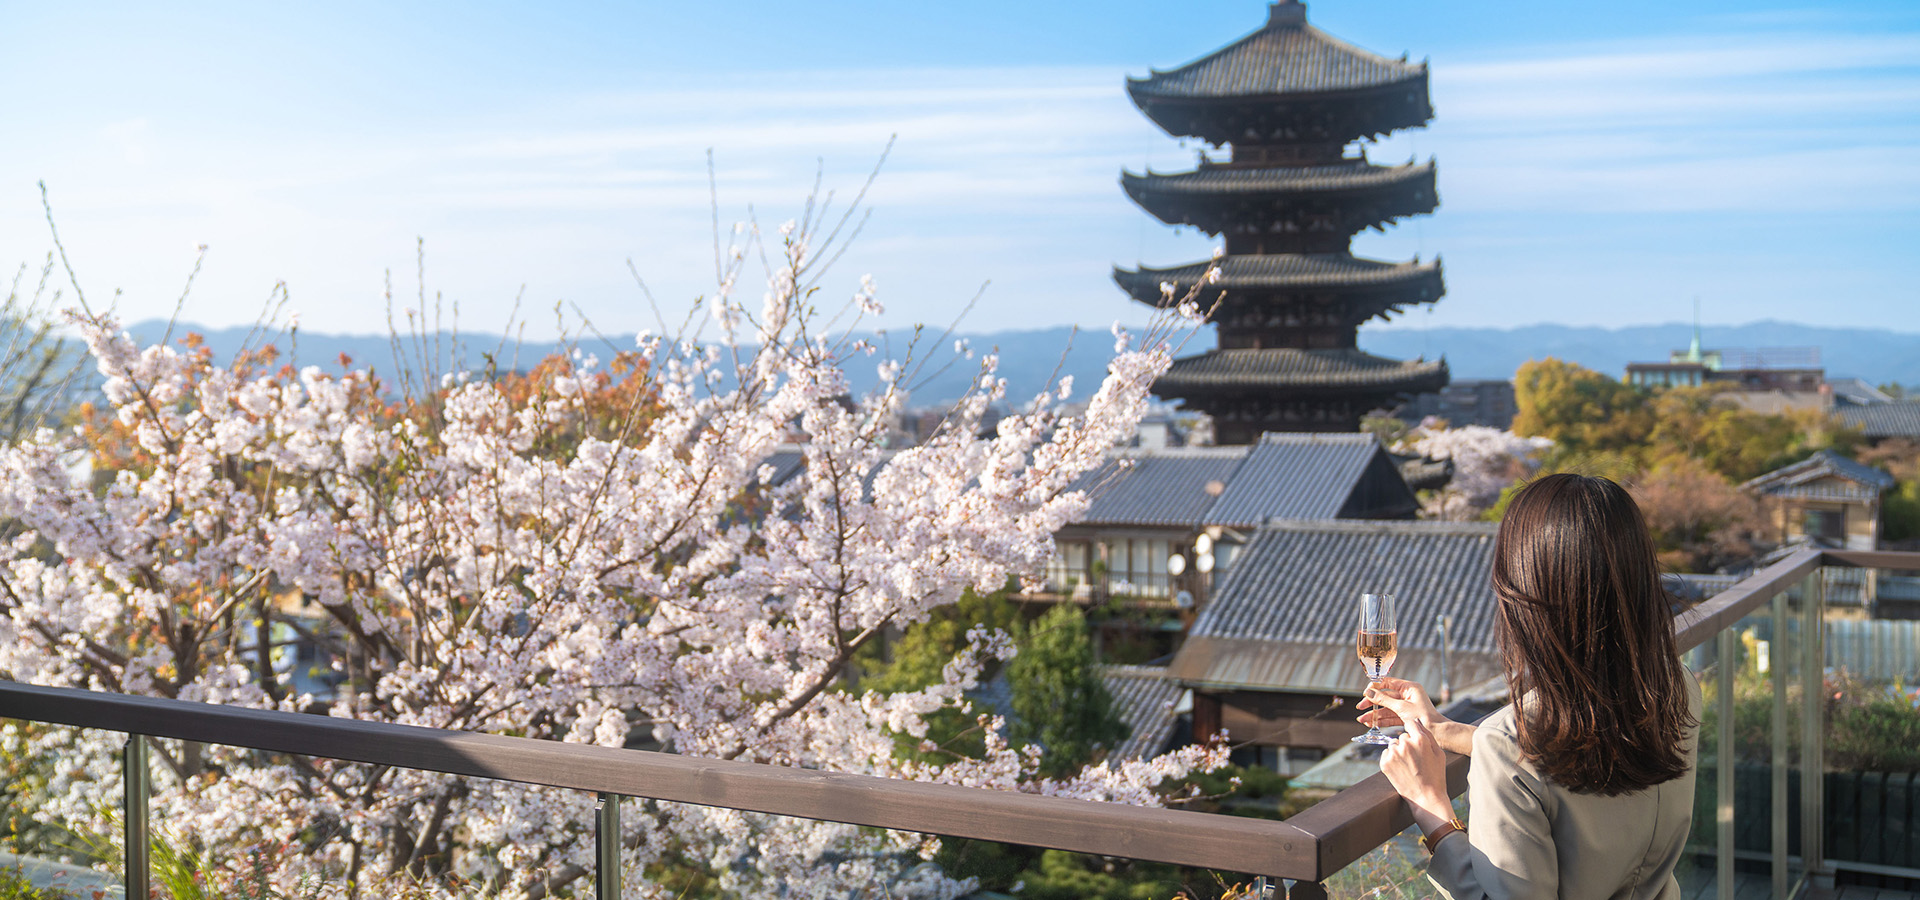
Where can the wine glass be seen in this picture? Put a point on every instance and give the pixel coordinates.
(1378, 646)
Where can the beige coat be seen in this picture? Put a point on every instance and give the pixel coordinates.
(1527, 837)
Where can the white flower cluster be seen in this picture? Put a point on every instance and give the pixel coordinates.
(498, 566)
(1485, 460)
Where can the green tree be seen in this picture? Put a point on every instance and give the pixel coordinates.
(1059, 701)
(915, 661)
(1579, 409)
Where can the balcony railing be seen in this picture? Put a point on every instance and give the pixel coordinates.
(1305, 849)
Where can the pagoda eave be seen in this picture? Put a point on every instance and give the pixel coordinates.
(1282, 373)
(1328, 274)
(1336, 115)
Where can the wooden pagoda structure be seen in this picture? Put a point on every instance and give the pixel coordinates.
(1290, 102)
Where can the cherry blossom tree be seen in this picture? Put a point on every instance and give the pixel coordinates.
(1485, 462)
(566, 555)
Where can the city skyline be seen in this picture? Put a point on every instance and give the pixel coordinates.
(1598, 165)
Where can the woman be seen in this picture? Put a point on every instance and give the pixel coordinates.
(1583, 788)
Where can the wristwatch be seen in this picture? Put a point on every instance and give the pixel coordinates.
(1446, 828)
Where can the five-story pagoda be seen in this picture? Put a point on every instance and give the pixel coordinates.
(1289, 298)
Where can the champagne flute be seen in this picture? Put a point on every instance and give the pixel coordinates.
(1378, 646)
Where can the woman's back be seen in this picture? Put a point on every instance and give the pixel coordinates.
(1533, 838)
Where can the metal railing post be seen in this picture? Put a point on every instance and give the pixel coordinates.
(136, 781)
(1777, 662)
(1723, 757)
(1813, 732)
(606, 844)
(1307, 890)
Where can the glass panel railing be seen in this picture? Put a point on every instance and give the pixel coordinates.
(1697, 869)
(60, 795)
(1870, 751)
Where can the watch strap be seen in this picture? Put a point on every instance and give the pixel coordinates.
(1448, 827)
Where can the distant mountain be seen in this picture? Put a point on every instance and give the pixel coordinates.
(1029, 358)
(1872, 355)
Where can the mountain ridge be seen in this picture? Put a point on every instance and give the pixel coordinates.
(1030, 357)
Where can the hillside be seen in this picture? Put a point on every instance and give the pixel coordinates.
(1028, 358)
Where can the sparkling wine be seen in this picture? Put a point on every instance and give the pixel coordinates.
(1377, 652)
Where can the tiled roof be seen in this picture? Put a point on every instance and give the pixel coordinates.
(1279, 368)
(1159, 487)
(1856, 391)
(1884, 420)
(1799, 479)
(1289, 271)
(1145, 698)
(1286, 57)
(1284, 617)
(1218, 180)
(1294, 476)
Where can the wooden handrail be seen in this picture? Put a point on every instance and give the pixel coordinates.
(1310, 846)
(1181, 837)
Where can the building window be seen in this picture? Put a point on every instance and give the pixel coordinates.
(1826, 523)
(1068, 567)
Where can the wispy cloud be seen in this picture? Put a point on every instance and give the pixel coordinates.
(1004, 174)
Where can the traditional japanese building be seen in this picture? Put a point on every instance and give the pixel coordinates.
(1294, 106)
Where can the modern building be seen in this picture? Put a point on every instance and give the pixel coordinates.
(1481, 401)
(1768, 380)
(1294, 108)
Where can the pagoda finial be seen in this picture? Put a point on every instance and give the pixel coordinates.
(1287, 14)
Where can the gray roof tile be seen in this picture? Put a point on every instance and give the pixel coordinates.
(1797, 479)
(1215, 180)
(1159, 487)
(1286, 57)
(1289, 271)
(1274, 368)
(1145, 698)
(1300, 580)
(1885, 420)
(1294, 476)
(1284, 618)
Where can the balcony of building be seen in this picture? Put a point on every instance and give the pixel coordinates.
(1785, 805)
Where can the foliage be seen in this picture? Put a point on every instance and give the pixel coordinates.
(1592, 418)
(555, 556)
(918, 661)
(1059, 700)
(1577, 408)
(1390, 429)
(14, 885)
(1900, 507)
(1700, 423)
(1699, 520)
(1871, 726)
(1255, 792)
(1074, 876)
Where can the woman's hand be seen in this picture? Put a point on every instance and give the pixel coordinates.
(1396, 701)
(1417, 767)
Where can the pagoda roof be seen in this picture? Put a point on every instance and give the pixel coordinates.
(1284, 370)
(1287, 271)
(1287, 57)
(1351, 175)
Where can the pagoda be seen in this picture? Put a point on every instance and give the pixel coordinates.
(1291, 103)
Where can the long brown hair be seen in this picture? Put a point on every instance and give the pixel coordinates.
(1586, 636)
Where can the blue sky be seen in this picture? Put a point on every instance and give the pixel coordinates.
(1600, 163)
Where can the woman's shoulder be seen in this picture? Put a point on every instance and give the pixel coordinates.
(1498, 734)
